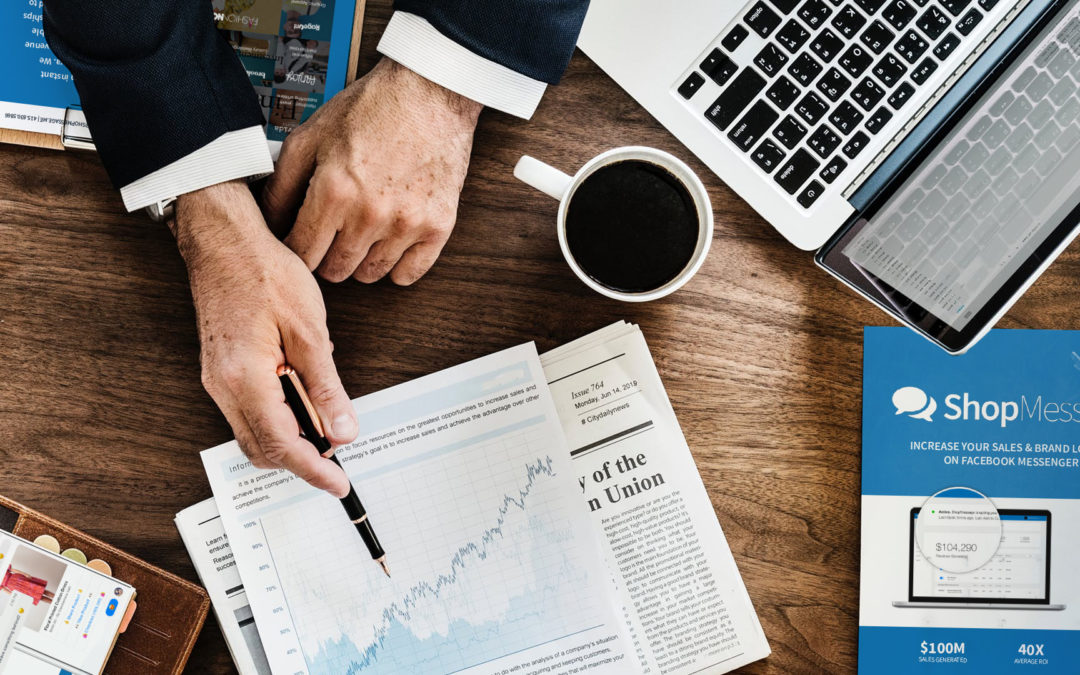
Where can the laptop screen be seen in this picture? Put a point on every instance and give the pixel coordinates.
(988, 200)
(1019, 572)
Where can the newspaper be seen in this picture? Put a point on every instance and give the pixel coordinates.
(685, 604)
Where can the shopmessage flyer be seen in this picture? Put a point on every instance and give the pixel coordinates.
(970, 504)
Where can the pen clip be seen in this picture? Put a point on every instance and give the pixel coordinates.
(285, 370)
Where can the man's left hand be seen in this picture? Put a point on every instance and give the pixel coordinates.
(378, 170)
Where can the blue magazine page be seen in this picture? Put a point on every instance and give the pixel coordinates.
(970, 504)
(296, 54)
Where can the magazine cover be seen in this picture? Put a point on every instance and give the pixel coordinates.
(970, 504)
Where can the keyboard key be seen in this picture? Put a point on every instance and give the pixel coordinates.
(987, 5)
(957, 152)
(889, 70)
(768, 156)
(998, 161)
(690, 87)
(762, 20)
(823, 141)
(810, 194)
(753, 125)
(789, 132)
(1061, 64)
(719, 67)
(794, 173)
(878, 120)
(978, 129)
(814, 13)
(911, 46)
(811, 108)
(833, 84)
(867, 94)
(933, 22)
(1016, 112)
(1024, 79)
(1020, 139)
(785, 6)
(1042, 113)
(1046, 136)
(855, 144)
(1001, 104)
(996, 134)
(955, 7)
(870, 6)
(846, 117)
(898, 13)
(877, 37)
(946, 46)
(804, 69)
(1027, 157)
(743, 89)
(734, 38)
(1062, 92)
(923, 70)
(967, 24)
(792, 36)
(826, 45)
(770, 59)
(848, 21)
(855, 60)
(1039, 87)
(833, 169)
(974, 157)
(901, 95)
(783, 93)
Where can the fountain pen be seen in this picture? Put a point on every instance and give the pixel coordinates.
(312, 428)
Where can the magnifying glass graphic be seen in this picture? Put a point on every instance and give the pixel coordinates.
(958, 529)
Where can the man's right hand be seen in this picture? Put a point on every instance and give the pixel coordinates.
(257, 305)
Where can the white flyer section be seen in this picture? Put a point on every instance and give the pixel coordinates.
(204, 536)
(684, 602)
(468, 483)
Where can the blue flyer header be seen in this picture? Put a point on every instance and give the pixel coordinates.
(1004, 418)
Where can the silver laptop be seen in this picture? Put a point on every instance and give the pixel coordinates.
(1016, 577)
(926, 148)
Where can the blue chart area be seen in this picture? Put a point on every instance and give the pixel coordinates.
(32, 75)
(479, 571)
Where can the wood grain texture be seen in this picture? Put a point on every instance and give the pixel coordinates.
(102, 414)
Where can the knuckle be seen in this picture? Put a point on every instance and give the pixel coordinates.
(336, 188)
(275, 452)
(374, 269)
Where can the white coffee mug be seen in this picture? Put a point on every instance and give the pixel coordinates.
(560, 186)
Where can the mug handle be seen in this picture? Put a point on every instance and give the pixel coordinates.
(543, 177)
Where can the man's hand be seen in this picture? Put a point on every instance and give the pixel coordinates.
(379, 170)
(257, 306)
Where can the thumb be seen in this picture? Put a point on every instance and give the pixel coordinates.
(286, 187)
(313, 360)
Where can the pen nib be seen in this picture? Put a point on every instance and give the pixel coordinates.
(384, 567)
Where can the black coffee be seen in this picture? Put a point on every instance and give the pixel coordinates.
(632, 226)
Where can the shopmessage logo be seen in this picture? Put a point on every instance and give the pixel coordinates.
(917, 404)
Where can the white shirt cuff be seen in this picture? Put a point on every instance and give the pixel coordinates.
(235, 154)
(414, 43)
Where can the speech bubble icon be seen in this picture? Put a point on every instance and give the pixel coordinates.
(909, 400)
(926, 414)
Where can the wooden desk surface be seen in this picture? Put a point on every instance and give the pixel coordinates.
(761, 355)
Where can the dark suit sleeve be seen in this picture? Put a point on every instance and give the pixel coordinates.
(156, 79)
(533, 37)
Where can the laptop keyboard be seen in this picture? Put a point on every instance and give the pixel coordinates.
(830, 76)
(964, 215)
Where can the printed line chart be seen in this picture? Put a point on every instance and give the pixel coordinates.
(478, 543)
